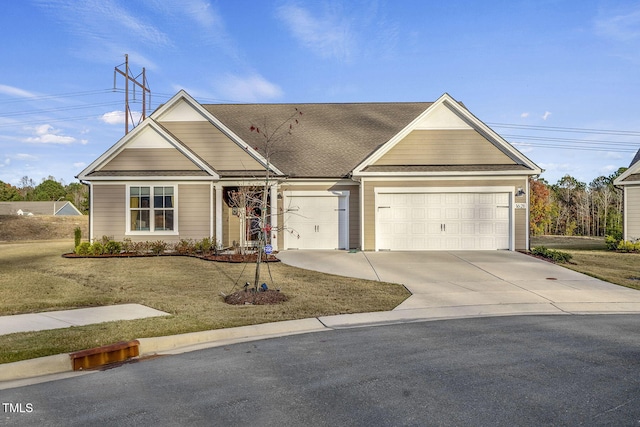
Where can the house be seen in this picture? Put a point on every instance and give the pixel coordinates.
(59, 208)
(371, 176)
(629, 180)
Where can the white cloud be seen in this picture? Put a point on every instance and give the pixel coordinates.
(329, 36)
(253, 88)
(17, 92)
(46, 134)
(79, 165)
(524, 115)
(24, 156)
(546, 115)
(106, 22)
(117, 117)
(623, 26)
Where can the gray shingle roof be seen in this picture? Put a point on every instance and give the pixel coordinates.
(39, 208)
(330, 140)
(636, 158)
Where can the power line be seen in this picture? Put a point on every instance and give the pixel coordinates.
(581, 141)
(61, 95)
(574, 147)
(58, 109)
(567, 129)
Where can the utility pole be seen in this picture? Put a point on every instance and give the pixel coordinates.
(129, 78)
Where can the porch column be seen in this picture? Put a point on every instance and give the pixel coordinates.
(273, 211)
(218, 208)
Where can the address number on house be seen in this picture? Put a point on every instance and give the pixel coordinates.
(521, 206)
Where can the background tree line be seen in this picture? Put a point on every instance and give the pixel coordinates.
(573, 208)
(49, 189)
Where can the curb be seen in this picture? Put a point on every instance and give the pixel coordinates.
(173, 344)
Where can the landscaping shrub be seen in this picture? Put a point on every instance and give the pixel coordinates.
(628, 246)
(141, 248)
(112, 247)
(612, 242)
(158, 247)
(204, 246)
(83, 248)
(555, 256)
(97, 248)
(77, 236)
(185, 247)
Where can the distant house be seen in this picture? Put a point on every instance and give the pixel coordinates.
(374, 176)
(630, 183)
(61, 208)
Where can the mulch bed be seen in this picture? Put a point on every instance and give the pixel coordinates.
(250, 297)
(218, 258)
(239, 258)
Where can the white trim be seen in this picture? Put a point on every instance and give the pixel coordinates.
(343, 203)
(127, 217)
(218, 208)
(211, 213)
(361, 205)
(625, 199)
(91, 217)
(439, 178)
(400, 190)
(443, 190)
(117, 179)
(447, 174)
(310, 181)
(273, 213)
(527, 237)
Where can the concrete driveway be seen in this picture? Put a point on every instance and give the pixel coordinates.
(471, 283)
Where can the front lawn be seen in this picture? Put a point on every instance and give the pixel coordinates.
(590, 257)
(34, 278)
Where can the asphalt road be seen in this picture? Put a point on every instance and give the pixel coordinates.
(538, 370)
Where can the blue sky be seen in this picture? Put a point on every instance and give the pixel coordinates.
(558, 79)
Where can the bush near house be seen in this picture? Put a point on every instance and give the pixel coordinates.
(551, 254)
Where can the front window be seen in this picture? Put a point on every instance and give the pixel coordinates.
(163, 208)
(151, 213)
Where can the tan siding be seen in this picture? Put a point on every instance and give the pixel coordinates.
(354, 208)
(109, 211)
(230, 226)
(369, 207)
(444, 147)
(136, 159)
(194, 211)
(212, 146)
(633, 213)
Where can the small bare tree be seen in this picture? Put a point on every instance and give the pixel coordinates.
(252, 201)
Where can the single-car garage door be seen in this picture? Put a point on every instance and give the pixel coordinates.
(316, 220)
(443, 221)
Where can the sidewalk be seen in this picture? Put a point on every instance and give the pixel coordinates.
(79, 317)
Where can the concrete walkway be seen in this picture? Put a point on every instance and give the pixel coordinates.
(79, 317)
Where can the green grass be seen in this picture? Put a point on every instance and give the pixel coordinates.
(590, 257)
(35, 278)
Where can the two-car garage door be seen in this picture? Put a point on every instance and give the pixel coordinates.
(443, 221)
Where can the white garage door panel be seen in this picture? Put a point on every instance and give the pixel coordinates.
(443, 221)
(316, 222)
